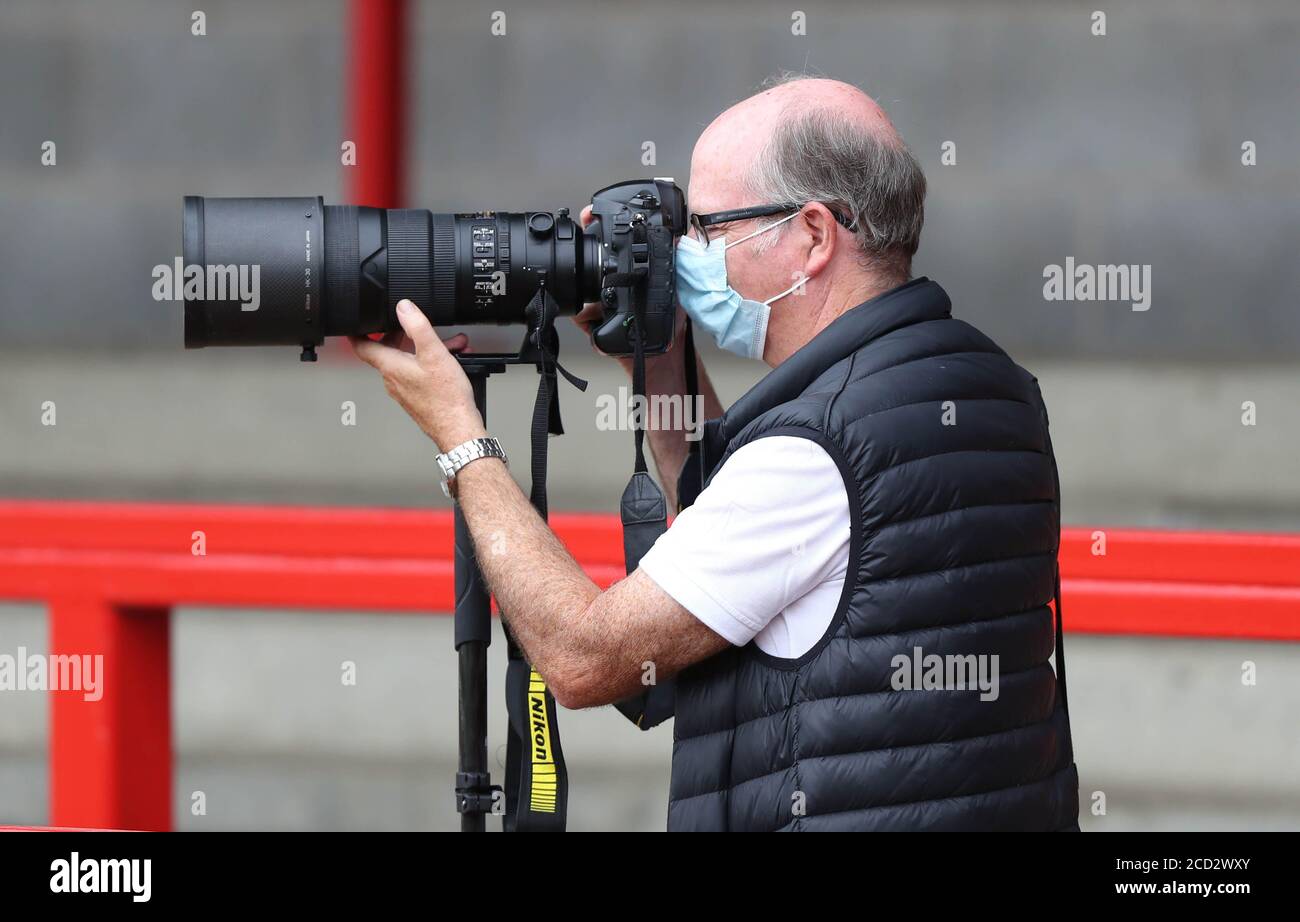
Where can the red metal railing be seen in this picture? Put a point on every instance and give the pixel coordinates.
(111, 573)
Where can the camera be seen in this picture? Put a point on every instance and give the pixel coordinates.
(335, 270)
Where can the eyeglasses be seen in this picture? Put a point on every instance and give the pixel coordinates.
(702, 222)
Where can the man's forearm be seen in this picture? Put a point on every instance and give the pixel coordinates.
(591, 647)
(538, 585)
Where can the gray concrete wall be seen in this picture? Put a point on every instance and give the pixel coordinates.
(1123, 148)
(1157, 444)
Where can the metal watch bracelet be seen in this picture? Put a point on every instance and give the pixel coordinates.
(452, 461)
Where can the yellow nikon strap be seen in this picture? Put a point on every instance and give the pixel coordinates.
(537, 785)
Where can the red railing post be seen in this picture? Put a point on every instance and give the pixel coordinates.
(110, 748)
(377, 102)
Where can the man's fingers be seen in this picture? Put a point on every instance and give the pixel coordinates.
(416, 325)
(368, 350)
(386, 360)
(589, 314)
(457, 343)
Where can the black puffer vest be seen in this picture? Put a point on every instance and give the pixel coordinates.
(953, 498)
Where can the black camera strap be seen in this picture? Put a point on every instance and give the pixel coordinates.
(691, 480)
(537, 782)
(643, 510)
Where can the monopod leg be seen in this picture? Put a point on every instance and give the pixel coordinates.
(473, 620)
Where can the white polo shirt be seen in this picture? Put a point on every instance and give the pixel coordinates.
(762, 553)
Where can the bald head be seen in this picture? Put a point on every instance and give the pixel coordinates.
(731, 145)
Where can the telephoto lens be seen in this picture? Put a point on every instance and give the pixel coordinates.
(320, 270)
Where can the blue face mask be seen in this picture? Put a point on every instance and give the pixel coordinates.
(736, 324)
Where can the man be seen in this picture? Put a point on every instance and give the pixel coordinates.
(885, 498)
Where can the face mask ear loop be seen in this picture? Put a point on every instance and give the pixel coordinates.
(786, 292)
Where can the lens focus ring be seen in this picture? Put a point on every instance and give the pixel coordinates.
(341, 262)
(408, 257)
(443, 308)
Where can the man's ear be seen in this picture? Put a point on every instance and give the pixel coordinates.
(823, 231)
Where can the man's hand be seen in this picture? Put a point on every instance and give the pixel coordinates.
(593, 313)
(430, 385)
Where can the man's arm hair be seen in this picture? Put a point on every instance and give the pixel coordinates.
(590, 646)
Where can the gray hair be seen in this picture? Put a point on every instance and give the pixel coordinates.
(868, 175)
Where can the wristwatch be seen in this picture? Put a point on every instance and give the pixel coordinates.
(452, 461)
